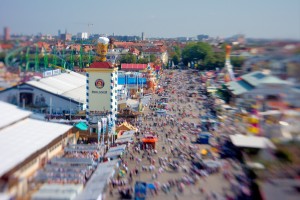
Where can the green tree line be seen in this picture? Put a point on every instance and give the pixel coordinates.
(202, 53)
(130, 58)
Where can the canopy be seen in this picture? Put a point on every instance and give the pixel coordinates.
(251, 141)
(69, 161)
(255, 165)
(81, 126)
(126, 127)
(151, 186)
(149, 139)
(58, 191)
(115, 151)
(96, 185)
(124, 140)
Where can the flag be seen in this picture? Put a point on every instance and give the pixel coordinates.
(104, 124)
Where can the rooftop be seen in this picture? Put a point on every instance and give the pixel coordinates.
(97, 183)
(132, 66)
(239, 87)
(256, 78)
(15, 114)
(251, 141)
(20, 138)
(101, 65)
(70, 85)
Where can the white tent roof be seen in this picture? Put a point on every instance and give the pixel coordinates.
(23, 138)
(58, 191)
(11, 114)
(115, 151)
(70, 85)
(97, 183)
(251, 141)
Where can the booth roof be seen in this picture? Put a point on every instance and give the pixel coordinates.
(82, 126)
(125, 126)
(58, 191)
(131, 66)
(115, 151)
(96, 185)
(251, 141)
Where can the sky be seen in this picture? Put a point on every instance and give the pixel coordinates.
(274, 19)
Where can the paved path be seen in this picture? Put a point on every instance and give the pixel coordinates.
(213, 183)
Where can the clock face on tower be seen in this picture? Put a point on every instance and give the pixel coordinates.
(99, 83)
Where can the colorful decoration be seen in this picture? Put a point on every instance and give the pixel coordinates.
(101, 49)
(253, 122)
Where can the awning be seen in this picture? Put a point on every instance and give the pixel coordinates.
(81, 126)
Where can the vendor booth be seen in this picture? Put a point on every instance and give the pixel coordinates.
(125, 137)
(115, 152)
(149, 141)
(125, 126)
(203, 138)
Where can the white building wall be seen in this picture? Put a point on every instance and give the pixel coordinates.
(58, 105)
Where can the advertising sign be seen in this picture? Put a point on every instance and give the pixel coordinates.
(56, 72)
(48, 73)
(99, 94)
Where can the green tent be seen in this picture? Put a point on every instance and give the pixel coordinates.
(81, 126)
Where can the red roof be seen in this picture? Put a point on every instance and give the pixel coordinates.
(133, 66)
(277, 104)
(6, 46)
(157, 49)
(101, 65)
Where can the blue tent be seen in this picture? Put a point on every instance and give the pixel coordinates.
(140, 190)
(203, 138)
(151, 186)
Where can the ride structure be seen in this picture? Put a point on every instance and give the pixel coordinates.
(227, 71)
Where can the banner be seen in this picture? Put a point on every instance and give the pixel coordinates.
(104, 124)
(99, 130)
(110, 123)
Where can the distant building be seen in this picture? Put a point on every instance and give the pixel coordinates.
(202, 37)
(38, 141)
(42, 95)
(126, 38)
(6, 33)
(160, 53)
(83, 35)
(265, 88)
(66, 36)
(143, 36)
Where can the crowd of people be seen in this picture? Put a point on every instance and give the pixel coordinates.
(176, 163)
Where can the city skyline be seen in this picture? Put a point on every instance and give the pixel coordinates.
(268, 19)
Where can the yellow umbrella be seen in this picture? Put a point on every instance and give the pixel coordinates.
(203, 151)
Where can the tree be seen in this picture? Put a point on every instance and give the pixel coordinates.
(196, 52)
(142, 61)
(152, 58)
(128, 58)
(2, 56)
(219, 60)
(177, 50)
(237, 61)
(175, 59)
(175, 55)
